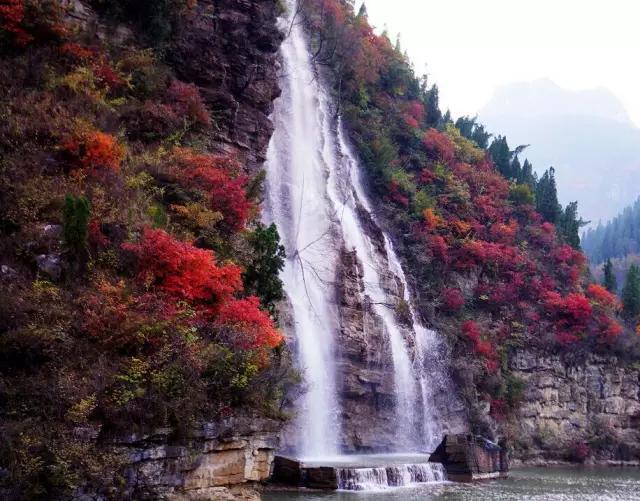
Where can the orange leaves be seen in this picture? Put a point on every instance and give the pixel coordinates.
(94, 151)
(431, 219)
(602, 296)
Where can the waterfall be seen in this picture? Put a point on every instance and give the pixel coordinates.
(317, 199)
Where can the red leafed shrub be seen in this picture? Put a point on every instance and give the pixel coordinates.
(215, 175)
(11, 16)
(439, 145)
(438, 247)
(186, 101)
(578, 307)
(183, 271)
(452, 299)
(578, 452)
(498, 408)
(96, 236)
(76, 51)
(94, 151)
(253, 326)
(396, 194)
(414, 114)
(566, 338)
(107, 75)
(426, 176)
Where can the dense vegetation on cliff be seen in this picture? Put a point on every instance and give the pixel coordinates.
(493, 258)
(137, 283)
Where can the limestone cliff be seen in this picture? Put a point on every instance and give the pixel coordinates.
(595, 401)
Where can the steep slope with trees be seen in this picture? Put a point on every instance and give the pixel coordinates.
(137, 283)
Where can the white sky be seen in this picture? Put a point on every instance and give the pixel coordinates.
(469, 47)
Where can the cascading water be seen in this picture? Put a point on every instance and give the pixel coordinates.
(384, 477)
(318, 201)
(298, 204)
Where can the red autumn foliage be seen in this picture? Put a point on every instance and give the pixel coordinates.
(439, 145)
(11, 16)
(96, 236)
(186, 102)
(481, 347)
(414, 114)
(183, 271)
(396, 194)
(216, 175)
(438, 247)
(94, 151)
(253, 325)
(76, 51)
(452, 299)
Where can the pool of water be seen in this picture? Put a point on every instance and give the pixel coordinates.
(540, 484)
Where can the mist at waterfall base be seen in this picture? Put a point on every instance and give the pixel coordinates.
(316, 197)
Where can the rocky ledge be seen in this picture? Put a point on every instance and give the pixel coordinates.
(219, 460)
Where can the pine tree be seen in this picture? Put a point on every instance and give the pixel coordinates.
(501, 156)
(547, 197)
(569, 225)
(609, 281)
(631, 292)
(75, 223)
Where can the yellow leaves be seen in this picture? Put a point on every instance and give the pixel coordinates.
(466, 150)
(197, 216)
(79, 412)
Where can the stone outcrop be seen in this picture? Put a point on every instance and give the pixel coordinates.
(219, 460)
(595, 401)
(467, 458)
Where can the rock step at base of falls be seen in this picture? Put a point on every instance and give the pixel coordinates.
(385, 477)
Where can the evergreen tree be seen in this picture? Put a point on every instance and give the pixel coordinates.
(261, 276)
(569, 225)
(432, 105)
(501, 156)
(609, 281)
(75, 223)
(547, 197)
(631, 292)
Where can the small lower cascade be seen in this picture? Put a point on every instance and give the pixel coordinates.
(379, 478)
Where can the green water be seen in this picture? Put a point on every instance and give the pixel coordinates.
(540, 484)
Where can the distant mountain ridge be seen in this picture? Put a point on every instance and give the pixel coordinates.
(586, 135)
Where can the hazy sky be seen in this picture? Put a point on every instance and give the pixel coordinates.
(468, 47)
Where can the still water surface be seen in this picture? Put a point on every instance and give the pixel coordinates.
(554, 484)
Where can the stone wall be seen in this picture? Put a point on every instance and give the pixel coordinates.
(218, 460)
(594, 401)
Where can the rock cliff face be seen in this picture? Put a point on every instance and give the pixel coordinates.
(229, 49)
(214, 462)
(595, 401)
